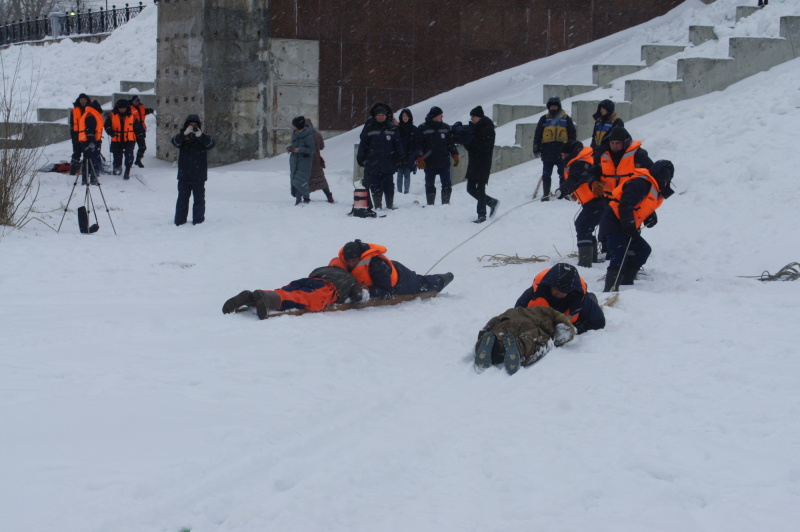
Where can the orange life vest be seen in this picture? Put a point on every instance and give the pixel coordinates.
(98, 124)
(361, 271)
(611, 174)
(140, 112)
(542, 302)
(77, 113)
(123, 133)
(648, 205)
(583, 193)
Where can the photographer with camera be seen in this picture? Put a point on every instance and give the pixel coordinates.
(192, 146)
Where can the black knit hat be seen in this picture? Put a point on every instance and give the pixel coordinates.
(380, 110)
(299, 122)
(608, 105)
(554, 100)
(122, 103)
(478, 111)
(568, 277)
(434, 112)
(618, 133)
(571, 146)
(352, 250)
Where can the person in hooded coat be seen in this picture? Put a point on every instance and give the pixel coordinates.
(632, 205)
(554, 129)
(562, 289)
(323, 287)
(380, 152)
(478, 139)
(409, 135)
(193, 146)
(521, 336)
(317, 180)
(436, 149)
(604, 119)
(301, 157)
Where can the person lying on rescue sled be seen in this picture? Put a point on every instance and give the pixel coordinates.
(520, 336)
(385, 278)
(562, 289)
(323, 287)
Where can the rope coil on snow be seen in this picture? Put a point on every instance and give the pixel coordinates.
(790, 272)
(503, 260)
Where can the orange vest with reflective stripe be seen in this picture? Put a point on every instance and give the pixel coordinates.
(542, 302)
(122, 133)
(361, 271)
(140, 111)
(611, 174)
(98, 125)
(648, 205)
(583, 193)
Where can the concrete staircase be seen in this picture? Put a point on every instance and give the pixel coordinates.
(51, 125)
(695, 77)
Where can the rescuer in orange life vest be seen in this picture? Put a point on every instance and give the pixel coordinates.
(385, 278)
(90, 136)
(124, 128)
(562, 289)
(633, 204)
(577, 171)
(74, 121)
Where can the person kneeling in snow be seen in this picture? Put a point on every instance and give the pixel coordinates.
(521, 336)
(323, 287)
(385, 278)
(562, 289)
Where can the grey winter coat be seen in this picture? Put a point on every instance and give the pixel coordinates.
(300, 162)
(534, 328)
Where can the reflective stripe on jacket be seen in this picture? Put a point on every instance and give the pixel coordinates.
(555, 128)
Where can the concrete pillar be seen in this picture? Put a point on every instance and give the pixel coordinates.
(213, 61)
(55, 23)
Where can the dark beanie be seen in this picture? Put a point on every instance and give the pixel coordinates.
(352, 250)
(123, 103)
(434, 112)
(134, 98)
(83, 95)
(618, 133)
(380, 110)
(570, 146)
(568, 277)
(478, 111)
(299, 122)
(608, 105)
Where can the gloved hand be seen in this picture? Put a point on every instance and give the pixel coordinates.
(650, 221)
(629, 228)
(421, 163)
(598, 189)
(321, 161)
(537, 152)
(360, 163)
(379, 293)
(91, 146)
(456, 159)
(558, 193)
(188, 131)
(197, 132)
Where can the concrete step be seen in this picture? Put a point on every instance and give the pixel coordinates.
(564, 91)
(605, 74)
(700, 34)
(653, 53)
(102, 99)
(745, 11)
(51, 114)
(503, 114)
(32, 135)
(141, 86)
(582, 111)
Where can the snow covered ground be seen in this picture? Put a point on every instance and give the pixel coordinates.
(128, 402)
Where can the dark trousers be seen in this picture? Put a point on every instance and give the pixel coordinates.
(77, 148)
(118, 149)
(587, 220)
(142, 146)
(616, 242)
(477, 189)
(547, 171)
(430, 178)
(186, 189)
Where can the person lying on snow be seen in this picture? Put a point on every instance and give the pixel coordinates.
(385, 278)
(562, 289)
(521, 336)
(323, 287)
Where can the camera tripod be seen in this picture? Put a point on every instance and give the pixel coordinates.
(87, 198)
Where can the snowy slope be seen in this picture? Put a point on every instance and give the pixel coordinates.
(130, 403)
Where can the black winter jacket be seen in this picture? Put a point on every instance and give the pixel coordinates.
(436, 144)
(480, 150)
(380, 150)
(192, 157)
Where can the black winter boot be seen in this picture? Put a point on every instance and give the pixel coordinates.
(390, 201)
(138, 161)
(611, 278)
(298, 199)
(127, 174)
(377, 200)
(492, 204)
(74, 167)
(266, 300)
(328, 194)
(483, 355)
(585, 256)
(243, 299)
(446, 195)
(430, 195)
(117, 170)
(628, 274)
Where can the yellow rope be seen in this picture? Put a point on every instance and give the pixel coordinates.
(504, 260)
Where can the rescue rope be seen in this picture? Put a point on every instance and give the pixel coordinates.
(503, 260)
(482, 230)
(790, 272)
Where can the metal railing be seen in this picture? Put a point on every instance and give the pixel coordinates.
(72, 23)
